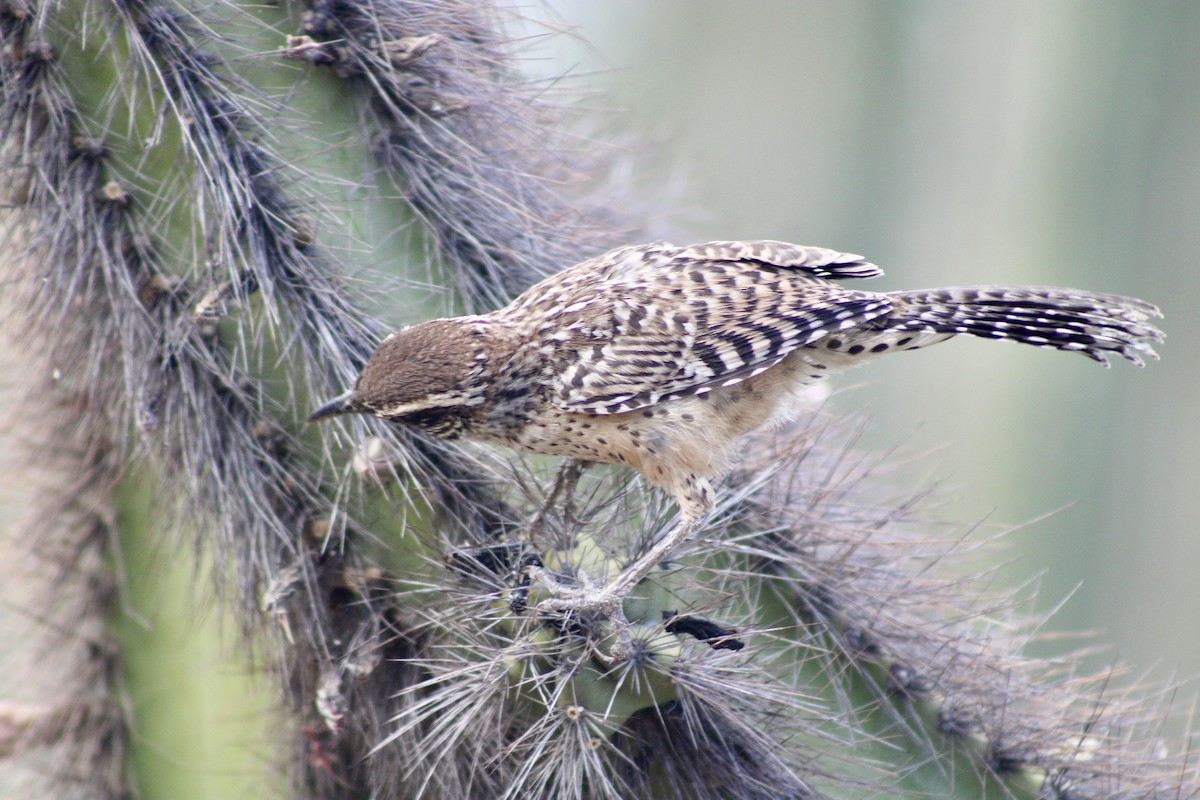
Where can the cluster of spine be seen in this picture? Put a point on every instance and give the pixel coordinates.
(72, 739)
(940, 660)
(434, 679)
(148, 368)
(438, 89)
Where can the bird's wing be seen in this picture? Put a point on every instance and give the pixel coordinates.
(816, 262)
(690, 320)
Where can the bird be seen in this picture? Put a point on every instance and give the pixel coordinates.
(663, 358)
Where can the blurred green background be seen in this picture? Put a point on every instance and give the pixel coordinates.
(961, 143)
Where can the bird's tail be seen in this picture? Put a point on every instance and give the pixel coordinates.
(1097, 325)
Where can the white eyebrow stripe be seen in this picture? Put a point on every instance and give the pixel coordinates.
(444, 400)
(402, 408)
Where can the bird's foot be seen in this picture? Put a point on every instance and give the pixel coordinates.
(582, 599)
(588, 599)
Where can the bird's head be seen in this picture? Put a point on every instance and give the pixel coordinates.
(425, 368)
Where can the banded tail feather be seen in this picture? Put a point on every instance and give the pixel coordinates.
(1097, 325)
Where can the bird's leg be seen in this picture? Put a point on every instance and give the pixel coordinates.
(695, 499)
(566, 478)
(607, 597)
(569, 474)
(607, 600)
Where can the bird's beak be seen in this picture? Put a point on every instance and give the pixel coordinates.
(342, 404)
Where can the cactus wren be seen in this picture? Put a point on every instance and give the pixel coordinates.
(661, 358)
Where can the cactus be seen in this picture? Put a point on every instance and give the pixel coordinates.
(210, 211)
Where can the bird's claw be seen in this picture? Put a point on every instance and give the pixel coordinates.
(603, 601)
